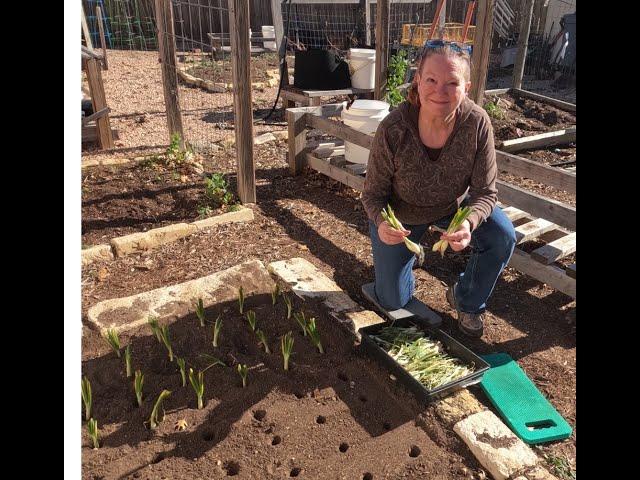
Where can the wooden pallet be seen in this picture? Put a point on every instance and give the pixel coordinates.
(535, 217)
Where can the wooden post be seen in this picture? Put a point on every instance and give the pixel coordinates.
(367, 20)
(85, 29)
(103, 44)
(297, 139)
(382, 46)
(276, 15)
(167, 51)
(99, 102)
(442, 20)
(523, 39)
(481, 48)
(436, 19)
(240, 57)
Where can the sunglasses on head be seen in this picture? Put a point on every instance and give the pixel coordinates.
(456, 47)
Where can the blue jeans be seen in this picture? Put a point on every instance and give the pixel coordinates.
(492, 245)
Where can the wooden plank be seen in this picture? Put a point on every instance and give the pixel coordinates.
(99, 102)
(89, 133)
(537, 205)
(523, 39)
(514, 213)
(571, 270)
(340, 130)
(167, 52)
(276, 15)
(343, 176)
(570, 107)
(289, 95)
(382, 47)
(103, 43)
(497, 91)
(331, 93)
(533, 229)
(547, 139)
(550, 274)
(539, 172)
(95, 115)
(555, 250)
(85, 29)
(240, 63)
(481, 50)
(90, 53)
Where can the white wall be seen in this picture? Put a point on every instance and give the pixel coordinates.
(555, 11)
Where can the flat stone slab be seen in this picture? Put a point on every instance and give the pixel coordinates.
(494, 445)
(415, 308)
(143, 241)
(176, 301)
(457, 406)
(96, 254)
(307, 281)
(243, 214)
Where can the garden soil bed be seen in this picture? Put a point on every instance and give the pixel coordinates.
(221, 71)
(333, 415)
(119, 200)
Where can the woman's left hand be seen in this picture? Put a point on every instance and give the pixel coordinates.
(459, 239)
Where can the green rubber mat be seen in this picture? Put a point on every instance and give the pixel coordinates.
(520, 403)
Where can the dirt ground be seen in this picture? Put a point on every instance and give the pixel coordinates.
(318, 219)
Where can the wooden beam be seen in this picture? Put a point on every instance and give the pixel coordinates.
(99, 102)
(382, 46)
(276, 15)
(337, 173)
(569, 107)
(367, 21)
(90, 53)
(497, 91)
(537, 205)
(541, 140)
(523, 40)
(514, 213)
(89, 133)
(297, 138)
(240, 62)
(340, 130)
(481, 49)
(103, 43)
(550, 274)
(95, 115)
(167, 51)
(533, 229)
(539, 172)
(571, 270)
(85, 29)
(555, 250)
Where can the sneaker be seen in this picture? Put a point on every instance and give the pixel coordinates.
(471, 324)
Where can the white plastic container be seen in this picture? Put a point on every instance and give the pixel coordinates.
(362, 65)
(364, 116)
(269, 31)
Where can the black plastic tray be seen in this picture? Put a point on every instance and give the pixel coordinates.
(451, 345)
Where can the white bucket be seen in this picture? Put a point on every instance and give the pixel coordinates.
(269, 31)
(362, 62)
(364, 116)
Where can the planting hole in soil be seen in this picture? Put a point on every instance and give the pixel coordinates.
(362, 398)
(295, 472)
(321, 419)
(158, 458)
(259, 414)
(344, 447)
(208, 435)
(415, 451)
(232, 468)
(343, 377)
(367, 476)
(276, 440)
(299, 395)
(386, 426)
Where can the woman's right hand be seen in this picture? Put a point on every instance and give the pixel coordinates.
(390, 235)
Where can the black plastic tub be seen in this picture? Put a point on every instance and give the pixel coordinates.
(452, 347)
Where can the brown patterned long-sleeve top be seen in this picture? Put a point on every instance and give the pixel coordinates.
(422, 190)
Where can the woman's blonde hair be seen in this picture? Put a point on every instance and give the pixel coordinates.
(448, 51)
